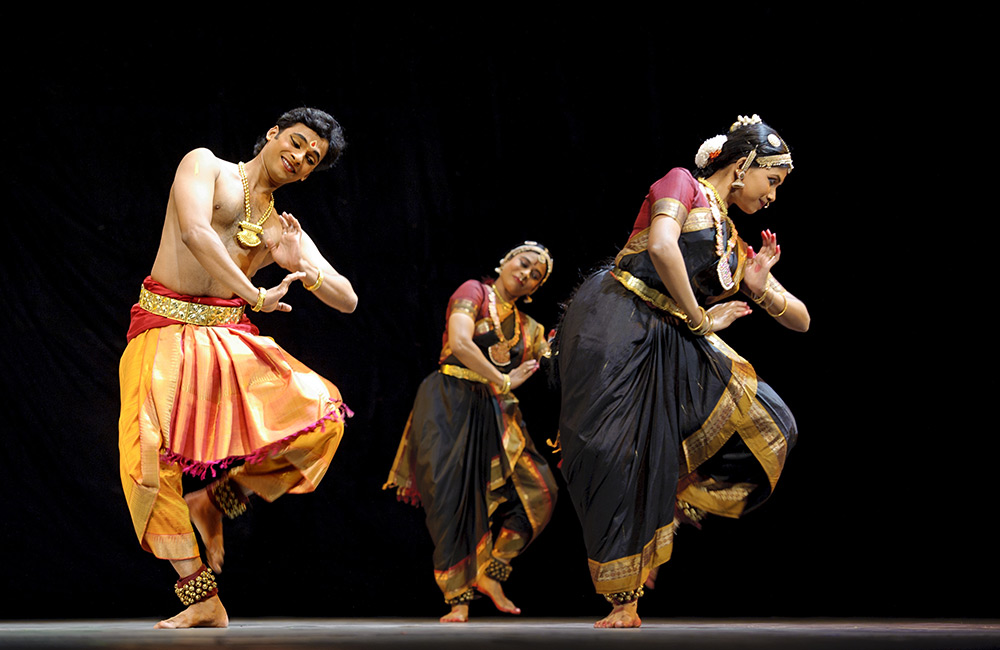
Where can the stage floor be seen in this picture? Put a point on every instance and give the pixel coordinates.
(509, 633)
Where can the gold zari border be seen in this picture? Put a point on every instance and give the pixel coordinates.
(699, 219)
(656, 298)
(462, 373)
(669, 207)
(629, 573)
(465, 306)
(189, 312)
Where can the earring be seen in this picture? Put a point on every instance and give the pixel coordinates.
(738, 183)
(527, 298)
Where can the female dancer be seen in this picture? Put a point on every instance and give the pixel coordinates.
(465, 454)
(661, 421)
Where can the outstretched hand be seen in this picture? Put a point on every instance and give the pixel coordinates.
(725, 313)
(274, 295)
(759, 264)
(286, 250)
(520, 374)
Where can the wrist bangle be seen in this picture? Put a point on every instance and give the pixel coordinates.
(783, 309)
(261, 295)
(760, 299)
(319, 281)
(704, 326)
(505, 388)
(700, 323)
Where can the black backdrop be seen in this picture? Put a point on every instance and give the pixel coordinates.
(466, 136)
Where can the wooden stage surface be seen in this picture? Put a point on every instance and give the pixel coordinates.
(515, 634)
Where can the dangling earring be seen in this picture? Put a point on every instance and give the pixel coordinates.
(527, 298)
(738, 183)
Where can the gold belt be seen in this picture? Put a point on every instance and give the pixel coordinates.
(188, 312)
(656, 298)
(462, 373)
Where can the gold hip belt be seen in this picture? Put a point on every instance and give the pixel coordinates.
(656, 298)
(462, 373)
(188, 312)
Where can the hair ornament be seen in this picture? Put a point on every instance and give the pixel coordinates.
(709, 151)
(743, 120)
(534, 247)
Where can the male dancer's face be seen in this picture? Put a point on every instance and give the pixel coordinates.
(292, 154)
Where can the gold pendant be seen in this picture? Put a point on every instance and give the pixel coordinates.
(499, 354)
(248, 234)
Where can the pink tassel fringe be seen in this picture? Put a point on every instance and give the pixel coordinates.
(339, 413)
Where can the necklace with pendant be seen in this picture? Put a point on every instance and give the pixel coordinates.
(249, 233)
(500, 351)
(723, 246)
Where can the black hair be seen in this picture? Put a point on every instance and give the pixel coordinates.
(740, 143)
(319, 121)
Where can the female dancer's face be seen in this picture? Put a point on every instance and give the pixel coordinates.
(760, 187)
(522, 274)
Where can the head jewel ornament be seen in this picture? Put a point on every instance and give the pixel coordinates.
(783, 159)
(533, 247)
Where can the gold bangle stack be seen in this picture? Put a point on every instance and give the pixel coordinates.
(505, 388)
(261, 295)
(760, 301)
(319, 281)
(704, 326)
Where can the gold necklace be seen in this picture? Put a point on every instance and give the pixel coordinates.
(723, 246)
(500, 351)
(249, 234)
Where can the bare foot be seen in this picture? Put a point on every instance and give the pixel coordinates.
(621, 616)
(458, 614)
(208, 521)
(207, 613)
(494, 590)
(651, 578)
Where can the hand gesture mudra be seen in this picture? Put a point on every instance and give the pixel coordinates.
(759, 264)
(285, 250)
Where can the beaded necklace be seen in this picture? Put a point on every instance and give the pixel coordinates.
(500, 351)
(249, 234)
(723, 247)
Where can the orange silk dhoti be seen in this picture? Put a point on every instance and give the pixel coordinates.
(202, 399)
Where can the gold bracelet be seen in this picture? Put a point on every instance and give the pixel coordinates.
(783, 309)
(506, 385)
(697, 327)
(704, 326)
(319, 281)
(261, 295)
(760, 300)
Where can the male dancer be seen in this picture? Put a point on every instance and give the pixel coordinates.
(202, 392)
